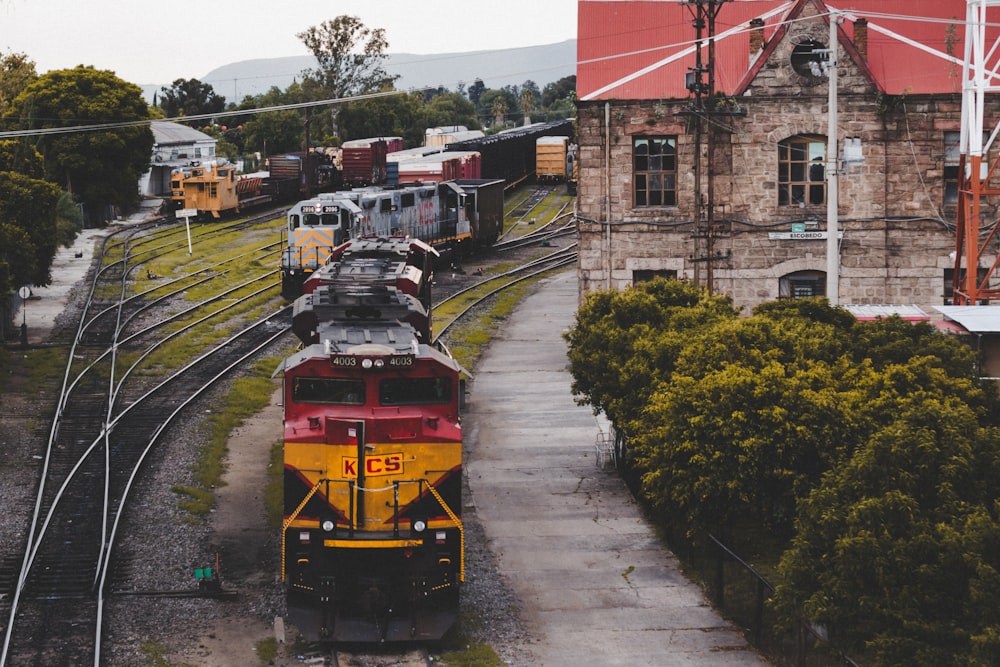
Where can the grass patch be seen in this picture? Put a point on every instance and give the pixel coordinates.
(274, 499)
(460, 650)
(154, 653)
(474, 655)
(267, 650)
(247, 396)
(467, 341)
(194, 500)
(215, 252)
(46, 364)
(177, 352)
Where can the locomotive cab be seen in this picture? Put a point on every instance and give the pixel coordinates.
(315, 227)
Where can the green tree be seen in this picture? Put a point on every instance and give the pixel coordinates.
(564, 88)
(498, 109)
(16, 72)
(274, 132)
(747, 422)
(17, 261)
(20, 155)
(100, 167)
(349, 58)
(528, 100)
(624, 345)
(898, 551)
(69, 219)
(395, 116)
(476, 91)
(190, 97)
(29, 205)
(494, 104)
(448, 109)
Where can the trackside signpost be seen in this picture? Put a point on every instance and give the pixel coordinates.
(187, 214)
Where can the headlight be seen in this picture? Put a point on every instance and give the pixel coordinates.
(419, 525)
(367, 363)
(328, 525)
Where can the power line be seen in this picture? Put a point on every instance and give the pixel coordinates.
(205, 116)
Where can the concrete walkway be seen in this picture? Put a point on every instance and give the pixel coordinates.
(596, 586)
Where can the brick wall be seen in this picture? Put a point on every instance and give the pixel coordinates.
(896, 232)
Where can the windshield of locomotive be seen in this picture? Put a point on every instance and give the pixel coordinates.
(414, 391)
(337, 391)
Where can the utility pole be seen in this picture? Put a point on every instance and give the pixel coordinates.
(832, 169)
(693, 83)
(704, 13)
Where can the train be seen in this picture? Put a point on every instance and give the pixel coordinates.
(214, 188)
(510, 155)
(372, 543)
(456, 217)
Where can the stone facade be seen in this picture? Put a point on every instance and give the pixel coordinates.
(897, 231)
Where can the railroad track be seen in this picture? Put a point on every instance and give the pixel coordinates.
(108, 420)
(479, 292)
(110, 417)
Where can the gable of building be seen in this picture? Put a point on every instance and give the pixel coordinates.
(755, 224)
(644, 49)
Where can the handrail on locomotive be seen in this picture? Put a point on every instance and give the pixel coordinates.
(352, 487)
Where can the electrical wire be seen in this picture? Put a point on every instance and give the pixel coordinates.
(9, 134)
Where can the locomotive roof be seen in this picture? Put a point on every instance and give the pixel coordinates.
(325, 349)
(348, 302)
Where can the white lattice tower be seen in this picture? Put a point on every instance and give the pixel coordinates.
(980, 77)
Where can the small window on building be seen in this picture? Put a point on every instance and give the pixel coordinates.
(802, 285)
(197, 151)
(654, 171)
(809, 58)
(802, 171)
(646, 275)
(952, 149)
(952, 153)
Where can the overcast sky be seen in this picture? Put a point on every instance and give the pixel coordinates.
(158, 42)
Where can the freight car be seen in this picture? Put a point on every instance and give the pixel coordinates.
(413, 167)
(510, 155)
(442, 136)
(455, 217)
(363, 161)
(372, 544)
(550, 158)
(214, 188)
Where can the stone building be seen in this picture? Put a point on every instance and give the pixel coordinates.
(650, 121)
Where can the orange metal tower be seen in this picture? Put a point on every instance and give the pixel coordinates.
(980, 75)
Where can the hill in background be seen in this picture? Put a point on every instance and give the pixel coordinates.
(541, 64)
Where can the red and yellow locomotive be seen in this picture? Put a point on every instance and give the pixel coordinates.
(372, 543)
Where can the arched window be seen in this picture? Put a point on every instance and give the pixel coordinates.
(802, 285)
(802, 171)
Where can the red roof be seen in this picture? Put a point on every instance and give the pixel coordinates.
(642, 49)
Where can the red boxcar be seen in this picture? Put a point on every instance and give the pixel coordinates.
(363, 161)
